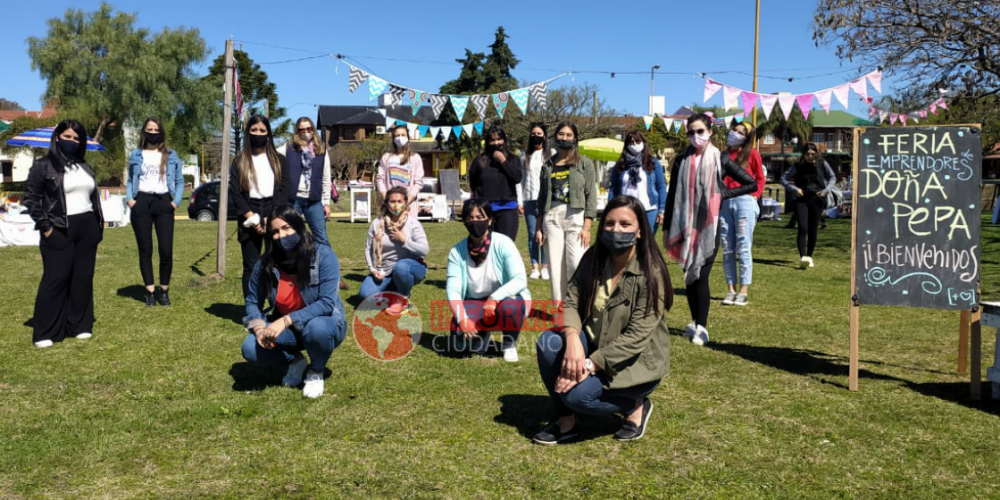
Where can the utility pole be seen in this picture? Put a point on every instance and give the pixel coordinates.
(227, 126)
(756, 46)
(594, 116)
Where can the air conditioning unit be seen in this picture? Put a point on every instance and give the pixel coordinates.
(380, 130)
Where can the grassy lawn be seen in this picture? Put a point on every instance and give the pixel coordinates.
(159, 404)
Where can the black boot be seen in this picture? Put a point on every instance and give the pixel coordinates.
(151, 298)
(164, 299)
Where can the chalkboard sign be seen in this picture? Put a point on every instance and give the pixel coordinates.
(450, 185)
(917, 204)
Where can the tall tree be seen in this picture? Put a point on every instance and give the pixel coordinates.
(499, 64)
(7, 105)
(471, 78)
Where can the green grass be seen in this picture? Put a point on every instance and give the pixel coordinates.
(159, 404)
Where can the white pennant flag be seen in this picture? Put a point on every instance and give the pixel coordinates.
(666, 122)
(434, 132)
(648, 120)
(389, 122)
(787, 103)
(729, 121)
(841, 92)
(767, 104)
(860, 87)
(882, 115)
(468, 129)
(823, 99)
(447, 132)
(730, 96)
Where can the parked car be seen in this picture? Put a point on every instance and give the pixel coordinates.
(204, 204)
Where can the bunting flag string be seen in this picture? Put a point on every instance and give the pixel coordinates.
(417, 130)
(916, 116)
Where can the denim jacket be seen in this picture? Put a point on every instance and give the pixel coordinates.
(175, 176)
(656, 186)
(322, 296)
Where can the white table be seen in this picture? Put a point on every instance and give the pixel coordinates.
(361, 203)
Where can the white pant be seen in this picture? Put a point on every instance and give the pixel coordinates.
(562, 227)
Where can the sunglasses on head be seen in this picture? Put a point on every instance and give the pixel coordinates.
(700, 131)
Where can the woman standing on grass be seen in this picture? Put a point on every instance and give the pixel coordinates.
(639, 175)
(300, 281)
(532, 160)
(810, 179)
(258, 182)
(154, 189)
(494, 176)
(401, 167)
(739, 216)
(395, 250)
(567, 205)
(690, 231)
(615, 347)
(61, 197)
(309, 177)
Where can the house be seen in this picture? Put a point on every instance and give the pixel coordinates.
(832, 132)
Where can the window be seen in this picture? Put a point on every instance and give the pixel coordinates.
(769, 139)
(818, 137)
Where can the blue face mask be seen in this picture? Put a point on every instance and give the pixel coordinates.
(289, 242)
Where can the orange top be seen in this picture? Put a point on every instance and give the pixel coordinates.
(289, 298)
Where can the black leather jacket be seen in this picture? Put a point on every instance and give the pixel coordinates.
(44, 195)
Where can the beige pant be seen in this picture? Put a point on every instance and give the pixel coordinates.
(562, 227)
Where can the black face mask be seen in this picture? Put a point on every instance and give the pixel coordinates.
(258, 141)
(535, 141)
(68, 148)
(153, 139)
(564, 145)
(477, 228)
(617, 242)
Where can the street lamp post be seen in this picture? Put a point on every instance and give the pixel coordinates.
(652, 75)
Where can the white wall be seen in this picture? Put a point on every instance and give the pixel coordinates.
(22, 164)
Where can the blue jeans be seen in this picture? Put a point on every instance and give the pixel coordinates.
(588, 397)
(531, 220)
(405, 274)
(319, 337)
(510, 314)
(651, 215)
(737, 220)
(315, 218)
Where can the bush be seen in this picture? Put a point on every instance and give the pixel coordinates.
(188, 179)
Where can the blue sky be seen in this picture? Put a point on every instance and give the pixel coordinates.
(549, 38)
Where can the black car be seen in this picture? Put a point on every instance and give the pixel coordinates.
(204, 204)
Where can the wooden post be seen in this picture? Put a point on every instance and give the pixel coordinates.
(855, 310)
(977, 351)
(963, 341)
(227, 126)
(756, 47)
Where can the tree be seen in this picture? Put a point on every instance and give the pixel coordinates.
(499, 64)
(257, 90)
(796, 126)
(7, 105)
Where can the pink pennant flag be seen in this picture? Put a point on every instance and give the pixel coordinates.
(767, 104)
(893, 118)
(749, 102)
(860, 87)
(710, 114)
(841, 92)
(872, 112)
(805, 102)
(823, 99)
(787, 102)
(933, 108)
(922, 113)
(903, 118)
(875, 78)
(941, 104)
(711, 87)
(730, 96)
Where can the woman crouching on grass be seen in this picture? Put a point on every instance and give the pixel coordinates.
(395, 250)
(300, 280)
(614, 348)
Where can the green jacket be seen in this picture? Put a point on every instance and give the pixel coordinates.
(632, 347)
(582, 187)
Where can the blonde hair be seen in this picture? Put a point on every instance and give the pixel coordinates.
(403, 152)
(299, 143)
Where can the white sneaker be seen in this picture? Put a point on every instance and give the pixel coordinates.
(805, 262)
(810, 261)
(84, 335)
(545, 273)
(689, 331)
(314, 385)
(43, 343)
(510, 355)
(534, 274)
(700, 336)
(293, 377)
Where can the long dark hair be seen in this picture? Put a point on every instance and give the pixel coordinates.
(54, 150)
(244, 160)
(495, 130)
(162, 148)
(546, 152)
(574, 156)
(302, 254)
(590, 274)
(647, 159)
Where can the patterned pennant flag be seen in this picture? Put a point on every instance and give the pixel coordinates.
(468, 129)
(500, 102)
(434, 132)
(539, 94)
(480, 101)
(520, 97)
(397, 93)
(805, 102)
(915, 120)
(479, 127)
(423, 130)
(767, 104)
(730, 96)
(417, 98)
(677, 125)
(841, 92)
(711, 87)
(875, 78)
(376, 86)
(749, 102)
(459, 103)
(860, 87)
(823, 99)
(787, 103)
(438, 103)
(357, 77)
(457, 130)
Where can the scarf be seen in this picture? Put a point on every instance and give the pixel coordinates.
(691, 240)
(634, 163)
(308, 155)
(478, 253)
(380, 232)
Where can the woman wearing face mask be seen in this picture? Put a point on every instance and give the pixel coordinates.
(400, 167)
(154, 189)
(810, 180)
(309, 174)
(639, 175)
(614, 348)
(739, 216)
(494, 176)
(532, 159)
(395, 250)
(258, 182)
(61, 197)
(567, 205)
(690, 230)
(487, 289)
(299, 280)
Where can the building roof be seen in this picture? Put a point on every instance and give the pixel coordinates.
(836, 118)
(50, 110)
(331, 116)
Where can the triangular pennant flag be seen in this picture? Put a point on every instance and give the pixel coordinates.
(520, 97)
(376, 86)
(739, 119)
(417, 99)
(903, 118)
(396, 94)
(915, 120)
(860, 87)
(648, 120)
(434, 132)
(922, 113)
(875, 78)
(893, 118)
(457, 130)
(729, 121)
(411, 127)
(480, 101)
(882, 115)
(438, 102)
(389, 122)
(666, 122)
(872, 112)
(539, 94)
(730, 96)
(459, 103)
(447, 132)
(711, 87)
(479, 127)
(500, 102)
(381, 111)
(941, 104)
(468, 129)
(841, 92)
(677, 125)
(933, 108)
(767, 104)
(423, 130)
(823, 99)
(357, 77)
(787, 102)
(749, 102)
(805, 102)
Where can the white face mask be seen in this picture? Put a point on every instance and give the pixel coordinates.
(635, 148)
(699, 141)
(400, 141)
(736, 138)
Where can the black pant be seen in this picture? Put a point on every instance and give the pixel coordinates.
(505, 222)
(64, 306)
(808, 208)
(252, 243)
(698, 295)
(154, 211)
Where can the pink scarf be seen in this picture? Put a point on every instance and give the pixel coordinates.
(691, 240)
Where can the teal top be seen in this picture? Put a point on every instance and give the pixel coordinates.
(508, 267)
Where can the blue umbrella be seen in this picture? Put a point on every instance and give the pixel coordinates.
(41, 137)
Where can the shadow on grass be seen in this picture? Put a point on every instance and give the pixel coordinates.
(247, 377)
(530, 413)
(958, 393)
(445, 346)
(355, 277)
(776, 263)
(135, 292)
(232, 312)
